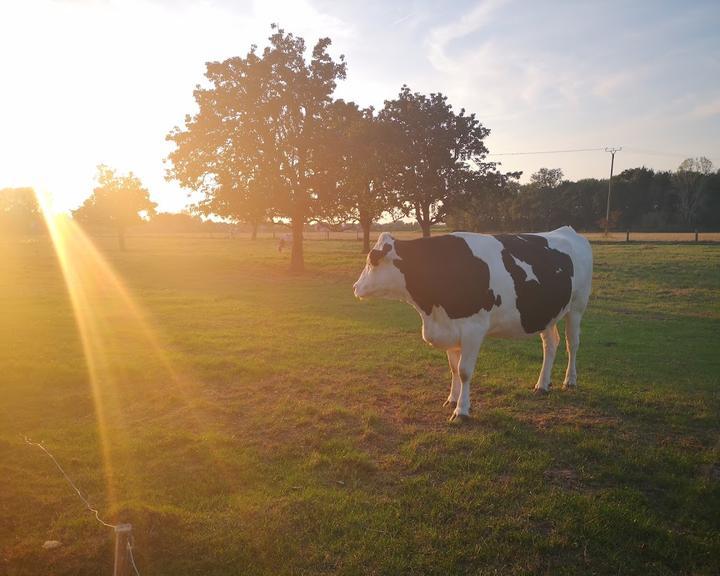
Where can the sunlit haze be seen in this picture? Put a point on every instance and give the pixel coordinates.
(94, 81)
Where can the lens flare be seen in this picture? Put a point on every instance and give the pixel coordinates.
(74, 255)
(119, 344)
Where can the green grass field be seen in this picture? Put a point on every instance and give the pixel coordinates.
(281, 427)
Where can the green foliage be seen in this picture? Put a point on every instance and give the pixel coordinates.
(118, 201)
(254, 145)
(19, 212)
(642, 199)
(307, 434)
(363, 154)
(440, 150)
(690, 181)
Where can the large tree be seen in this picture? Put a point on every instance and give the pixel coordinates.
(259, 129)
(542, 198)
(19, 211)
(485, 202)
(363, 163)
(239, 198)
(690, 181)
(118, 201)
(438, 147)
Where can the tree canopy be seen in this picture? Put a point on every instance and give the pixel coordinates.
(643, 199)
(259, 133)
(19, 211)
(118, 201)
(690, 181)
(365, 164)
(438, 148)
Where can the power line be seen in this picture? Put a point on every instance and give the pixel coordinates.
(670, 154)
(630, 150)
(546, 152)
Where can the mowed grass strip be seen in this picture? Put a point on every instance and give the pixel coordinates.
(265, 424)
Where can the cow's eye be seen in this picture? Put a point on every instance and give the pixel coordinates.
(376, 256)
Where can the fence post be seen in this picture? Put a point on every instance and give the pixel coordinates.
(122, 557)
(627, 236)
(696, 235)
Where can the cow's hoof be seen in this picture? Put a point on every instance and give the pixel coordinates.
(458, 419)
(449, 402)
(569, 385)
(541, 391)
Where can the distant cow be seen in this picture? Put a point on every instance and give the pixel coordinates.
(285, 240)
(468, 286)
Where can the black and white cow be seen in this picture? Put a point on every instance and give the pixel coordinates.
(468, 286)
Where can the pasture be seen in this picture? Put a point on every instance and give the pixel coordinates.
(256, 423)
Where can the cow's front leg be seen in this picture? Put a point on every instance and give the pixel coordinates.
(550, 341)
(468, 356)
(572, 341)
(454, 361)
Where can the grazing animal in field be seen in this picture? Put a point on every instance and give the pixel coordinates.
(468, 286)
(285, 240)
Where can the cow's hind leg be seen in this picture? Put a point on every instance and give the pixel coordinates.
(454, 361)
(572, 342)
(468, 357)
(550, 341)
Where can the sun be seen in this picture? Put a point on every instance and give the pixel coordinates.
(110, 323)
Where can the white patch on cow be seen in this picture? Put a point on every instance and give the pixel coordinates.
(439, 329)
(529, 274)
(383, 280)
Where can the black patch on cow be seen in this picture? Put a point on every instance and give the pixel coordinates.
(377, 255)
(443, 271)
(537, 301)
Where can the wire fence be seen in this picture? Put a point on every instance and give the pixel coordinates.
(613, 236)
(124, 540)
(352, 235)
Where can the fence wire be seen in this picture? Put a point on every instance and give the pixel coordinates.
(96, 513)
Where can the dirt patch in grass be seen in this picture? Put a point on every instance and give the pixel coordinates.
(567, 416)
(564, 477)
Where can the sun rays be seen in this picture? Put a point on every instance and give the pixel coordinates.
(112, 328)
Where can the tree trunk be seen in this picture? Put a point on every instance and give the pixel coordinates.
(121, 238)
(365, 223)
(253, 234)
(424, 221)
(297, 260)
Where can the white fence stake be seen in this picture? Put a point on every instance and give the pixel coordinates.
(122, 554)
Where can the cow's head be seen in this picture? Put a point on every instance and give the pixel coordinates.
(381, 278)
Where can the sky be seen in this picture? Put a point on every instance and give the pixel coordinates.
(85, 82)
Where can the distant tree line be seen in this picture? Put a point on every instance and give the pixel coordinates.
(20, 212)
(642, 199)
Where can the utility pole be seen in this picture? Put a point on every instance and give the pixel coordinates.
(612, 150)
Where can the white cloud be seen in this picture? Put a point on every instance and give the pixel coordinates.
(441, 36)
(707, 109)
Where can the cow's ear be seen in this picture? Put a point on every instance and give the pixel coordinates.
(377, 255)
